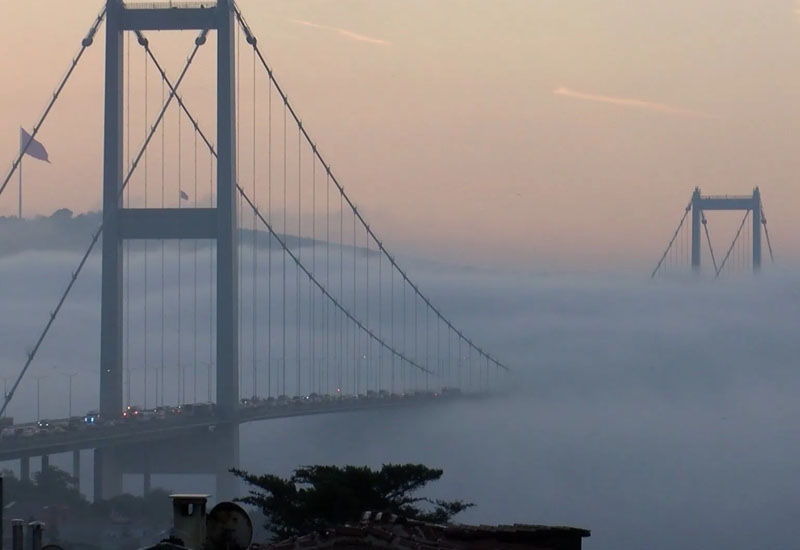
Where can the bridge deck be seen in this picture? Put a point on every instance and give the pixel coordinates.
(149, 430)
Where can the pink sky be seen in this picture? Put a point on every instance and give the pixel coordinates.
(442, 121)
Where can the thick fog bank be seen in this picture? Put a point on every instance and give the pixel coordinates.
(658, 414)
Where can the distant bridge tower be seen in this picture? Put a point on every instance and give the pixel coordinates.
(742, 203)
(122, 223)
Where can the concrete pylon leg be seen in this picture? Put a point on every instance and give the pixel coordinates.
(45, 462)
(25, 468)
(227, 457)
(76, 468)
(107, 474)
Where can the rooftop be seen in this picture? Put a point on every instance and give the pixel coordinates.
(382, 530)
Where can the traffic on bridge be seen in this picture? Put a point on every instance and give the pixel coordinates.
(50, 436)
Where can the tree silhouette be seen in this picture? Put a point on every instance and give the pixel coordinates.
(315, 497)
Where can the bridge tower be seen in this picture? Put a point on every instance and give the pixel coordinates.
(741, 203)
(122, 223)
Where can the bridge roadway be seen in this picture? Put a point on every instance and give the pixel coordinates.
(147, 430)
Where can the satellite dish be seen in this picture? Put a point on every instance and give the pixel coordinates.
(228, 526)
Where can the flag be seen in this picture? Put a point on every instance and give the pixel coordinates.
(35, 149)
(184, 196)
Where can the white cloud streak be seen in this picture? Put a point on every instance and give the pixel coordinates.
(631, 103)
(343, 32)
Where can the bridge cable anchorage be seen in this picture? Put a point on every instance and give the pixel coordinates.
(322, 288)
(96, 235)
(735, 238)
(672, 240)
(708, 239)
(766, 233)
(85, 43)
(318, 154)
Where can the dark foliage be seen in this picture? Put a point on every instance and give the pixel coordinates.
(318, 496)
(53, 486)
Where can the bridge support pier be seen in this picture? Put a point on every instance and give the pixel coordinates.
(76, 468)
(227, 457)
(45, 462)
(25, 468)
(107, 474)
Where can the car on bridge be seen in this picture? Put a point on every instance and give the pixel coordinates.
(93, 418)
(131, 413)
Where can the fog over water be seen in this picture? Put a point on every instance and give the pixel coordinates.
(657, 414)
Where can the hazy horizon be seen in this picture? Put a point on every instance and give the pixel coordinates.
(569, 134)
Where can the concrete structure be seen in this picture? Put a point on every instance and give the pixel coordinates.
(742, 203)
(387, 531)
(209, 223)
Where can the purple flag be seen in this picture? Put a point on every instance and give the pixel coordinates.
(35, 149)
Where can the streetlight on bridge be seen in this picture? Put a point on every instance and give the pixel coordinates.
(69, 375)
(210, 366)
(38, 394)
(5, 387)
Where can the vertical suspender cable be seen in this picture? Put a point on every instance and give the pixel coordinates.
(146, 123)
(403, 374)
(299, 252)
(127, 244)
(380, 317)
(269, 240)
(427, 347)
(181, 382)
(163, 255)
(339, 316)
(391, 313)
(316, 383)
(194, 289)
(238, 120)
(356, 353)
(211, 248)
(367, 354)
(255, 241)
(283, 301)
(327, 279)
(416, 349)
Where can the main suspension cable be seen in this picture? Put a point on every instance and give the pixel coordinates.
(96, 236)
(251, 39)
(766, 233)
(85, 43)
(738, 231)
(708, 239)
(281, 242)
(672, 240)
(322, 288)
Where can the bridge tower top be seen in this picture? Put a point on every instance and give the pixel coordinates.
(746, 203)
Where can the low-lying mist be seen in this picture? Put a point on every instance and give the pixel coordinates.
(658, 414)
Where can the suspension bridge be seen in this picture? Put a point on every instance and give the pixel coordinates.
(226, 251)
(744, 252)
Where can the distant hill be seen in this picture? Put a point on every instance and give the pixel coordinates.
(64, 231)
